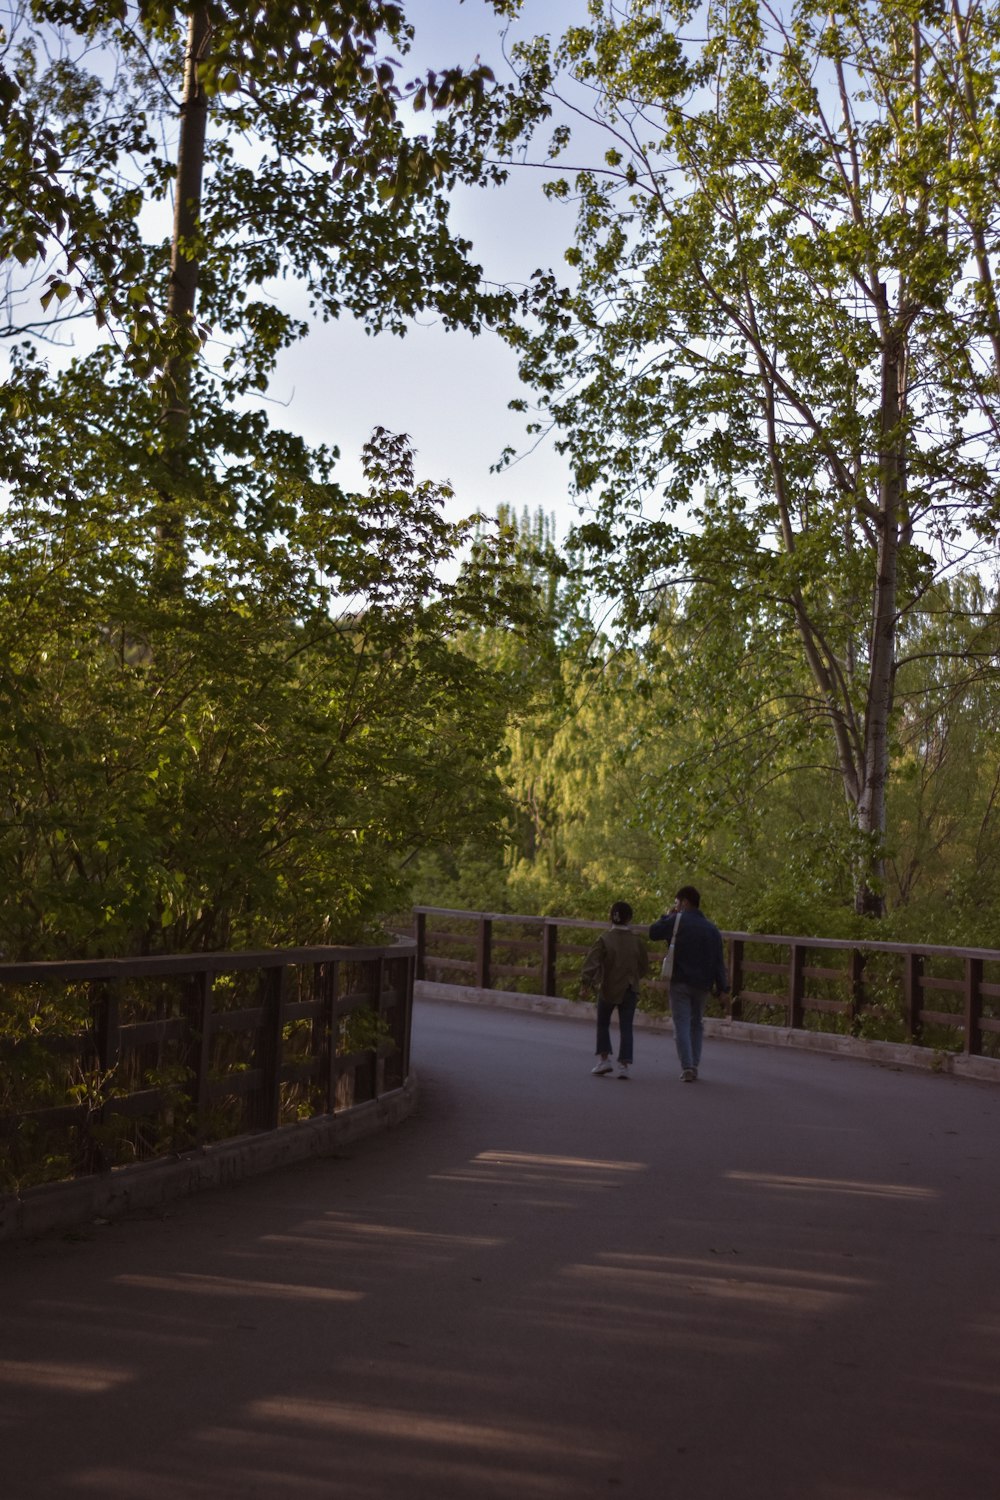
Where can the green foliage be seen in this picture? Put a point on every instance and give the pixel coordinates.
(253, 761)
(237, 699)
(775, 364)
(635, 770)
(310, 172)
(363, 1031)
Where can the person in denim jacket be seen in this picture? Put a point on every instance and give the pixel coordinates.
(699, 968)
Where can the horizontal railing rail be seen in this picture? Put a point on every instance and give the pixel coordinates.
(168, 1053)
(946, 997)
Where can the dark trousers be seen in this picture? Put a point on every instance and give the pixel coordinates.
(626, 1011)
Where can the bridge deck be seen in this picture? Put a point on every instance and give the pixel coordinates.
(780, 1283)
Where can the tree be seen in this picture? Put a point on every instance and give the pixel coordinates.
(586, 740)
(255, 760)
(280, 134)
(945, 792)
(784, 324)
(237, 698)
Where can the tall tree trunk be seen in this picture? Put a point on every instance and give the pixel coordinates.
(871, 806)
(181, 303)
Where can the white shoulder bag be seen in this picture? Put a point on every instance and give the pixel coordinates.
(667, 966)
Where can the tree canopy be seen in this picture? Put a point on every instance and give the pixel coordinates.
(245, 705)
(237, 699)
(775, 362)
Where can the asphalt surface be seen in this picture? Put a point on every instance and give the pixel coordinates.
(782, 1281)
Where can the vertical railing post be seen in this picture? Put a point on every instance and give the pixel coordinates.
(421, 936)
(317, 1042)
(273, 1025)
(200, 1048)
(735, 979)
(913, 999)
(856, 979)
(550, 949)
(796, 986)
(107, 1028)
(973, 1006)
(107, 1042)
(484, 952)
(333, 1032)
(409, 970)
(378, 985)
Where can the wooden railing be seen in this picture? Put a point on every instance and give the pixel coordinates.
(941, 997)
(173, 1052)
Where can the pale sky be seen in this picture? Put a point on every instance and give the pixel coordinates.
(449, 391)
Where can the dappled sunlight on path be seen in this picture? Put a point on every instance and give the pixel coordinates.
(891, 1190)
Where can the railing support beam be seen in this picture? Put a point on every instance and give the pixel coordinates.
(973, 1006)
(484, 953)
(550, 952)
(913, 1000)
(796, 986)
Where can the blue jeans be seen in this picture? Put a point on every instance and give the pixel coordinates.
(687, 1007)
(626, 1011)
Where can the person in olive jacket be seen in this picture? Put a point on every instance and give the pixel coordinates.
(615, 966)
(699, 968)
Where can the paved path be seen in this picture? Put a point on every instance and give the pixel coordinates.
(781, 1282)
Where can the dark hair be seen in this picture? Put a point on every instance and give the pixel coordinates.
(621, 914)
(689, 894)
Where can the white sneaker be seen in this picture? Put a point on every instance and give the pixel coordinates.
(603, 1065)
(624, 1070)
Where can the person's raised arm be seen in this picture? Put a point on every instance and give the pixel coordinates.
(663, 927)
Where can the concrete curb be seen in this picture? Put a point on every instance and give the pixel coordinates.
(885, 1054)
(65, 1205)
